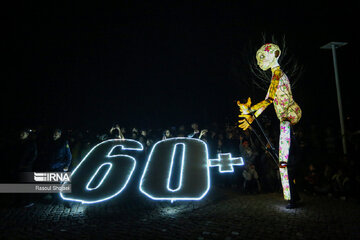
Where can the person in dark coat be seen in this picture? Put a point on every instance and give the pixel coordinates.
(196, 132)
(59, 157)
(26, 151)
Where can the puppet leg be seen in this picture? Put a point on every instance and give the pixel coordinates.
(284, 147)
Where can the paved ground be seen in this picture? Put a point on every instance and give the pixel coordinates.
(224, 214)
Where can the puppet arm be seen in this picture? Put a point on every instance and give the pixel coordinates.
(250, 113)
(261, 106)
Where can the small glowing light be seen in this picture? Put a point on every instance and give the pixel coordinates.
(225, 162)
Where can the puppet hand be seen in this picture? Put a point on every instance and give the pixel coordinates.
(245, 107)
(245, 123)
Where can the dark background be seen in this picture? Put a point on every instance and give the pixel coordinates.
(90, 65)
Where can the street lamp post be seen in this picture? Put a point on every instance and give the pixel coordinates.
(333, 46)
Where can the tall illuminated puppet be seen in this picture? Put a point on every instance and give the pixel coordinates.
(287, 110)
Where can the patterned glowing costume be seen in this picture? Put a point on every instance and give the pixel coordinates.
(287, 110)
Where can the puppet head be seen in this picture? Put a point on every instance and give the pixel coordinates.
(267, 56)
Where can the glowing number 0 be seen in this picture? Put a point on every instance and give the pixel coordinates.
(102, 174)
(194, 180)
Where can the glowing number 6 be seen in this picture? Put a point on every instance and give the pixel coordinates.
(103, 174)
(194, 173)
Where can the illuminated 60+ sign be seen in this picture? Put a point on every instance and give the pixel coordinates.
(103, 174)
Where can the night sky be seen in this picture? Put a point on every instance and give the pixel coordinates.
(92, 65)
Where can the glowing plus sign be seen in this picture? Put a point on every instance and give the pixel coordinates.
(225, 162)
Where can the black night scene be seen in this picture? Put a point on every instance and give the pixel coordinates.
(120, 120)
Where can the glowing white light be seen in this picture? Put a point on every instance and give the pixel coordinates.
(195, 164)
(99, 184)
(171, 167)
(107, 159)
(225, 162)
(194, 180)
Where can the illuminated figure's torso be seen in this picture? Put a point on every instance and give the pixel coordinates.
(285, 106)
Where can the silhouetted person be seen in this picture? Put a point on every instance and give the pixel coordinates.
(59, 157)
(196, 132)
(26, 151)
(116, 133)
(251, 179)
(26, 154)
(167, 134)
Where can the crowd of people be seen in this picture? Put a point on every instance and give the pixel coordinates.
(339, 179)
(317, 171)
